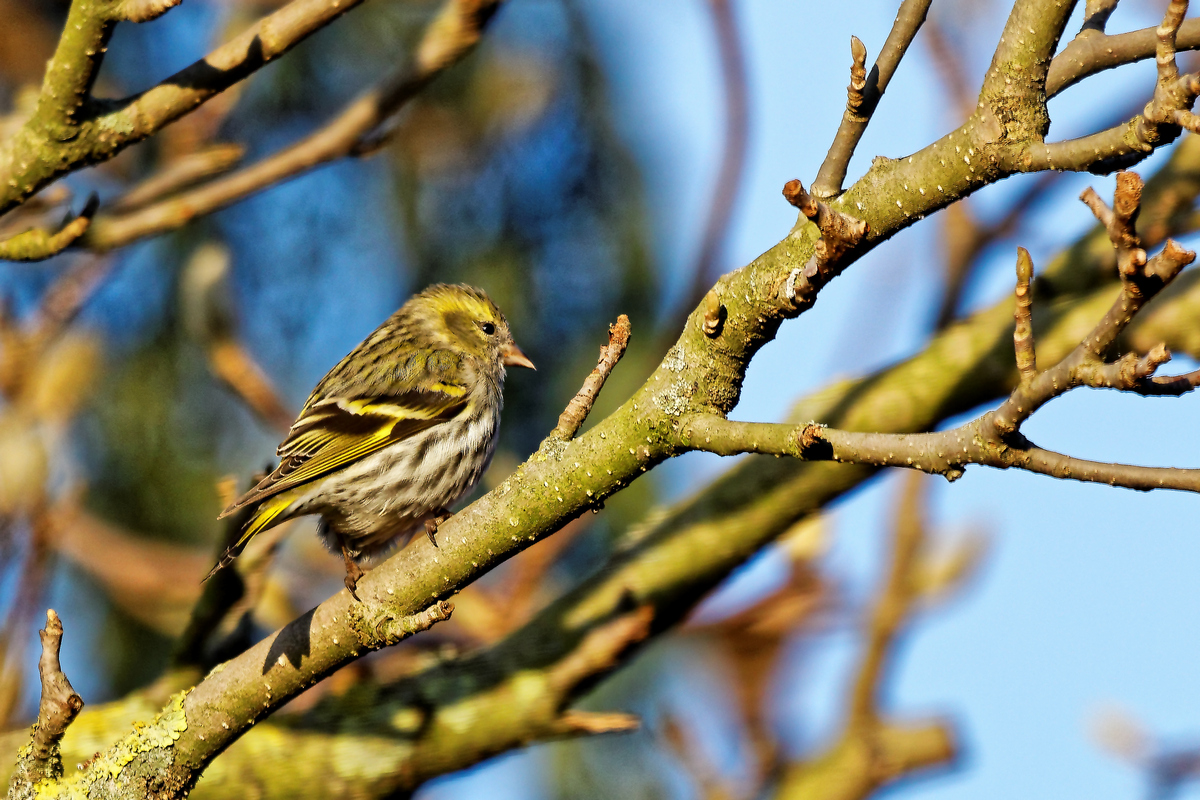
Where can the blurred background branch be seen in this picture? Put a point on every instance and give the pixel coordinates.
(358, 130)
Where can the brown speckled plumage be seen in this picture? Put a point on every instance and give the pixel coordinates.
(397, 431)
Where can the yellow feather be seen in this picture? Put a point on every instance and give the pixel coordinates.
(263, 517)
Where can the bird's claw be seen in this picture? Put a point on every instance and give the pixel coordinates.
(353, 573)
(352, 584)
(432, 524)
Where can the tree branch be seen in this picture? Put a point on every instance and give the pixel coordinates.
(41, 760)
(577, 410)
(994, 439)
(450, 36)
(46, 149)
(1169, 109)
(1092, 51)
(37, 244)
(864, 94)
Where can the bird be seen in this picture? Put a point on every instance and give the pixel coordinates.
(394, 434)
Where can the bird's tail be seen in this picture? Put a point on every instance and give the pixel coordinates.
(263, 517)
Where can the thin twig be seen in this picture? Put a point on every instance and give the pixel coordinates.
(37, 244)
(60, 702)
(1023, 315)
(909, 18)
(572, 418)
(1092, 52)
(59, 706)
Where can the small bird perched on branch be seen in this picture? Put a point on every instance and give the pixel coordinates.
(398, 431)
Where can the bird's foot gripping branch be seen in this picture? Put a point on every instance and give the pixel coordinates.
(995, 439)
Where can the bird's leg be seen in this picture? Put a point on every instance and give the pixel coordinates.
(353, 572)
(440, 515)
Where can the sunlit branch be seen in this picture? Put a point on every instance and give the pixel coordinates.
(1169, 109)
(577, 410)
(994, 439)
(864, 95)
(60, 704)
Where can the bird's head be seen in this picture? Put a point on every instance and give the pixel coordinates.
(469, 320)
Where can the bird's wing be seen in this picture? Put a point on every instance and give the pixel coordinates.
(333, 433)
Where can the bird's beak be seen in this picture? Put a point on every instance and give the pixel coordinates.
(512, 356)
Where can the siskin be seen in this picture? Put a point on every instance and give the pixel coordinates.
(398, 431)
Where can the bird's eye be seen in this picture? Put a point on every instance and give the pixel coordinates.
(487, 327)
